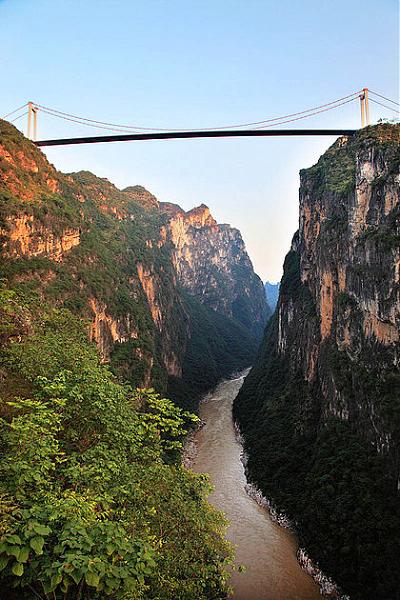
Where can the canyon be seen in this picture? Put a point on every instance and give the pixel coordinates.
(109, 298)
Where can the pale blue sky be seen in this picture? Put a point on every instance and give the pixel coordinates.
(196, 64)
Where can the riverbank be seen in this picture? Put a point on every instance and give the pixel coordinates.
(328, 587)
(268, 550)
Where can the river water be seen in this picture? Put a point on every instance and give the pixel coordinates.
(267, 550)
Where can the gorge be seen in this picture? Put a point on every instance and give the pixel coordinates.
(110, 300)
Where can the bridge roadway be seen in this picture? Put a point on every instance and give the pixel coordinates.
(172, 135)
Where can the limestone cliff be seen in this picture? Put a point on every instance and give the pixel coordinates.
(320, 409)
(76, 242)
(212, 264)
(348, 248)
(25, 237)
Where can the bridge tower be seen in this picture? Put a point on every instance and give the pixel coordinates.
(364, 106)
(32, 116)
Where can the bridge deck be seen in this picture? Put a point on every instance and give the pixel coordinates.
(171, 135)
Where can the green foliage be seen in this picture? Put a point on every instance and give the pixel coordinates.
(386, 240)
(217, 347)
(334, 172)
(93, 500)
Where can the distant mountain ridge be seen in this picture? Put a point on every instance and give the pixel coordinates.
(272, 294)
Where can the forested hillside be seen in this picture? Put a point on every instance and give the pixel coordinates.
(94, 501)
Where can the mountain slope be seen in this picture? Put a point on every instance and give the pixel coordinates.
(94, 501)
(213, 265)
(320, 409)
(109, 256)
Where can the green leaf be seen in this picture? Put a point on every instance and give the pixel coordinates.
(13, 539)
(18, 569)
(64, 586)
(76, 576)
(37, 544)
(92, 579)
(41, 529)
(13, 551)
(24, 554)
(55, 581)
(4, 560)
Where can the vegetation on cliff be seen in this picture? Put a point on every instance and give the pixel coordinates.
(218, 347)
(320, 409)
(324, 476)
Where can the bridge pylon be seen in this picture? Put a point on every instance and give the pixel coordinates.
(32, 116)
(364, 107)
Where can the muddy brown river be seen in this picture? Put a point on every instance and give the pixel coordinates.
(267, 550)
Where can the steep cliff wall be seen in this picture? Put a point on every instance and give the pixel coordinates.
(213, 265)
(77, 242)
(320, 409)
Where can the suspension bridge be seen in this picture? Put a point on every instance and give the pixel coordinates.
(261, 128)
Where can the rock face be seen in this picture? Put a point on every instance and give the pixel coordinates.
(25, 237)
(212, 264)
(321, 406)
(348, 248)
(119, 261)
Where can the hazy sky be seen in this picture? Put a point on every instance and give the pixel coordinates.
(197, 64)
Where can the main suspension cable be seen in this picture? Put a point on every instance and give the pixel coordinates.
(306, 116)
(396, 110)
(118, 127)
(14, 111)
(16, 118)
(384, 97)
(273, 122)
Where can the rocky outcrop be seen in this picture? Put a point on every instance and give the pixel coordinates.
(320, 409)
(213, 265)
(25, 236)
(140, 195)
(150, 288)
(106, 330)
(26, 173)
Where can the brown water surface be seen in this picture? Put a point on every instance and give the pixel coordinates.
(267, 550)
